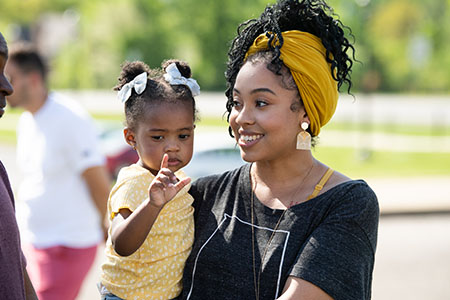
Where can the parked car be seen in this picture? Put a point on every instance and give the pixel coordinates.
(214, 152)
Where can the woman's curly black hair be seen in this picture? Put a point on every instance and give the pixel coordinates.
(157, 90)
(311, 16)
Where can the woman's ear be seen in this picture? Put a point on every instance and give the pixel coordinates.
(306, 119)
(129, 136)
(303, 117)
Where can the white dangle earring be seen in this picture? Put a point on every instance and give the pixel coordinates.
(304, 138)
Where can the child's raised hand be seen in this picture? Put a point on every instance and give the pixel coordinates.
(165, 185)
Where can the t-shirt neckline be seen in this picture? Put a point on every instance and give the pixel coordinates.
(249, 191)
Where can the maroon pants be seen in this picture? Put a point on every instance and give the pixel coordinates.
(58, 272)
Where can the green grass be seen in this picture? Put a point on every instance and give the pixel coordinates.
(352, 162)
(8, 124)
(108, 117)
(7, 137)
(361, 164)
(416, 130)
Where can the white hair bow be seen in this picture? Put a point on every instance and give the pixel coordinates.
(174, 77)
(138, 83)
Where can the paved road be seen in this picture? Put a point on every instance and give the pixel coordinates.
(413, 258)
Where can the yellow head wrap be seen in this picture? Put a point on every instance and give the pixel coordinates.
(305, 56)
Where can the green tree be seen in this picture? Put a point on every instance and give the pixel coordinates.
(208, 34)
(402, 44)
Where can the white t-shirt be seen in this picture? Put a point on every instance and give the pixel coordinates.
(54, 147)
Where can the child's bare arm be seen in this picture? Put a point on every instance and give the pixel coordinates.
(130, 229)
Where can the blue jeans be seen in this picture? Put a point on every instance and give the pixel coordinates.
(105, 294)
(110, 297)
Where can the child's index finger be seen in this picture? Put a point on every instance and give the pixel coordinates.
(165, 161)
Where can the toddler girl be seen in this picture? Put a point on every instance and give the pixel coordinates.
(150, 235)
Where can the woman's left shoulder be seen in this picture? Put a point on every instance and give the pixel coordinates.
(358, 189)
(346, 193)
(355, 198)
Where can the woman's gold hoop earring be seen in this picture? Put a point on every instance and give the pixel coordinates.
(304, 138)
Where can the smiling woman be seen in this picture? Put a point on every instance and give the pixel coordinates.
(262, 119)
(284, 226)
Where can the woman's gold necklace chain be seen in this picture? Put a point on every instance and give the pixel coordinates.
(257, 279)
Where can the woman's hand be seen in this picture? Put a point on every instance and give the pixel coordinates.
(166, 185)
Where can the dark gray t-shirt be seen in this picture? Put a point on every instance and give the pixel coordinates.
(329, 241)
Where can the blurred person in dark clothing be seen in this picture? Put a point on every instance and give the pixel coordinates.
(14, 281)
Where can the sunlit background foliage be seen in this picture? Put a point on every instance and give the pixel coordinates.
(403, 45)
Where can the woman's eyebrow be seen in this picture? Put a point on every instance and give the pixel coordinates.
(258, 90)
(264, 90)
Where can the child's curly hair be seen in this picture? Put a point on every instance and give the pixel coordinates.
(157, 90)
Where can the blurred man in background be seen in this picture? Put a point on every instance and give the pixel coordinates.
(14, 281)
(62, 197)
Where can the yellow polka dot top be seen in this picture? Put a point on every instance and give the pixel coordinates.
(155, 270)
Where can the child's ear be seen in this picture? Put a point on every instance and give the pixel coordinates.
(129, 136)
